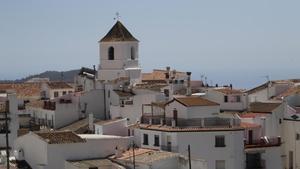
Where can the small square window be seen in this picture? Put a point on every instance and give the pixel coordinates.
(238, 98)
(64, 92)
(220, 164)
(220, 141)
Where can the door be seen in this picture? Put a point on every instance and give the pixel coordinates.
(291, 160)
(250, 136)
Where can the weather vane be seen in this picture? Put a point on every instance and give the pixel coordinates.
(117, 16)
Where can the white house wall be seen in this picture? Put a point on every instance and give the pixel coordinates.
(95, 103)
(35, 150)
(203, 146)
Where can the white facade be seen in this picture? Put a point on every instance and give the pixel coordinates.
(190, 112)
(47, 92)
(123, 65)
(240, 104)
(202, 145)
(40, 155)
(13, 122)
(133, 112)
(112, 127)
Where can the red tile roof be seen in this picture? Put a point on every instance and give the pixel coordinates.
(260, 107)
(59, 85)
(189, 101)
(229, 91)
(23, 90)
(60, 137)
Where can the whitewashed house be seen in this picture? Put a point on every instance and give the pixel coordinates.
(51, 90)
(117, 127)
(49, 150)
(268, 90)
(193, 121)
(9, 105)
(228, 98)
(263, 136)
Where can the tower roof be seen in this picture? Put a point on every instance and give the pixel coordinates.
(118, 33)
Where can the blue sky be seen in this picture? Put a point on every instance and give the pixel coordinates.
(232, 41)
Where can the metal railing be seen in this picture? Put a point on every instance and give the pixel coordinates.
(263, 142)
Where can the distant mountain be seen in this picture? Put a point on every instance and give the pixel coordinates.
(67, 76)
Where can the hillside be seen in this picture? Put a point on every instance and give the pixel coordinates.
(67, 76)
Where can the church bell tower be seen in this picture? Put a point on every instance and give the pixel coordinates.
(119, 55)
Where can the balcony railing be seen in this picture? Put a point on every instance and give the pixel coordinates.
(263, 142)
(201, 122)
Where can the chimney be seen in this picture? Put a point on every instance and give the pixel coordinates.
(161, 121)
(167, 75)
(188, 89)
(175, 118)
(91, 122)
(202, 122)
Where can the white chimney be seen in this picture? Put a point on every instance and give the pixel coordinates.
(188, 89)
(161, 121)
(202, 122)
(173, 123)
(91, 122)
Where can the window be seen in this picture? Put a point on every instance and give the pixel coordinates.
(64, 92)
(297, 136)
(238, 98)
(220, 164)
(145, 139)
(225, 99)
(70, 92)
(55, 94)
(132, 53)
(156, 140)
(111, 53)
(220, 141)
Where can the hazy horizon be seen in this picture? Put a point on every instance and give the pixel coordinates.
(238, 42)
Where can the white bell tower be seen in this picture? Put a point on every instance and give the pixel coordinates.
(119, 55)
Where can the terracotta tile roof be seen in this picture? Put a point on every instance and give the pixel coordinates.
(23, 90)
(188, 129)
(290, 91)
(158, 74)
(118, 33)
(260, 107)
(229, 91)
(94, 163)
(143, 155)
(153, 87)
(78, 127)
(60, 137)
(189, 101)
(36, 104)
(124, 93)
(59, 85)
(251, 115)
(265, 85)
(249, 125)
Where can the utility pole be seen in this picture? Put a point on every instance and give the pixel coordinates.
(133, 155)
(6, 133)
(189, 153)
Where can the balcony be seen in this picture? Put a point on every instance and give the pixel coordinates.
(196, 122)
(48, 105)
(263, 142)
